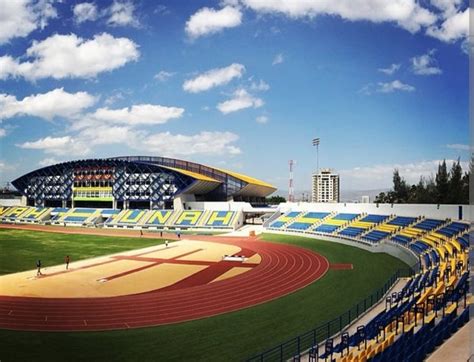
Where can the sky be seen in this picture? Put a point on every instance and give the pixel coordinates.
(243, 85)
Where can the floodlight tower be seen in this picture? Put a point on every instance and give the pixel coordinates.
(291, 190)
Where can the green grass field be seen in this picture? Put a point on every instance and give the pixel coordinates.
(233, 336)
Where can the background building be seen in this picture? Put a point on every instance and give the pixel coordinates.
(325, 186)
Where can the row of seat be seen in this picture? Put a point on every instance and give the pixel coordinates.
(121, 218)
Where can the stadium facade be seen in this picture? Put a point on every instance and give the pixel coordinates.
(136, 182)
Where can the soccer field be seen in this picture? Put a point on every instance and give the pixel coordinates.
(232, 336)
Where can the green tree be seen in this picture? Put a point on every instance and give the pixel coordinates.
(442, 183)
(274, 200)
(400, 188)
(455, 188)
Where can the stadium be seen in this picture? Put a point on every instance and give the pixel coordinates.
(194, 249)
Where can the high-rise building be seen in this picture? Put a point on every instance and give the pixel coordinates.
(325, 186)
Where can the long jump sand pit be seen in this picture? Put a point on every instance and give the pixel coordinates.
(157, 285)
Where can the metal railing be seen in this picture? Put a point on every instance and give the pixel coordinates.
(299, 344)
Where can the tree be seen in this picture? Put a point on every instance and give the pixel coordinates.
(400, 188)
(275, 200)
(455, 185)
(442, 183)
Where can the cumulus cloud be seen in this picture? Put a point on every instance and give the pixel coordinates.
(393, 86)
(278, 59)
(262, 119)
(56, 103)
(210, 21)
(122, 13)
(164, 143)
(407, 14)
(390, 70)
(203, 143)
(138, 114)
(241, 99)
(85, 12)
(69, 56)
(3, 132)
(454, 27)
(380, 176)
(163, 76)
(425, 64)
(18, 18)
(213, 78)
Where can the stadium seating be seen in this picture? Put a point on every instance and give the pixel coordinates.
(307, 220)
(220, 218)
(357, 227)
(335, 222)
(35, 214)
(129, 217)
(14, 212)
(157, 217)
(284, 219)
(409, 233)
(417, 319)
(188, 218)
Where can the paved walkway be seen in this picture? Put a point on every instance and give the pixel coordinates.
(458, 348)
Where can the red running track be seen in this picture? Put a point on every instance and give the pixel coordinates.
(283, 270)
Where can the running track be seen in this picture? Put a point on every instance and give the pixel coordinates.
(283, 270)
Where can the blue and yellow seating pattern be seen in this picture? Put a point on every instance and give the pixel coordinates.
(188, 218)
(335, 222)
(357, 227)
(306, 220)
(159, 217)
(283, 219)
(220, 218)
(78, 215)
(130, 217)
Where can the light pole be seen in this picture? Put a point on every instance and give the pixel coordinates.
(316, 143)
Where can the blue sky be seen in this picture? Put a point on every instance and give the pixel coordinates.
(244, 85)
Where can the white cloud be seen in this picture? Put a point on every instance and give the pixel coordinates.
(214, 78)
(85, 12)
(241, 100)
(458, 147)
(163, 75)
(68, 56)
(56, 103)
(454, 27)
(3, 132)
(48, 161)
(165, 143)
(425, 64)
(138, 114)
(278, 59)
(18, 18)
(390, 70)
(122, 14)
(380, 176)
(407, 14)
(203, 143)
(57, 146)
(260, 86)
(209, 21)
(393, 86)
(262, 119)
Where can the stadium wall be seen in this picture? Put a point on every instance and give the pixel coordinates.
(453, 212)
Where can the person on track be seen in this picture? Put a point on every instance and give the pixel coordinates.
(38, 265)
(67, 259)
(166, 243)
